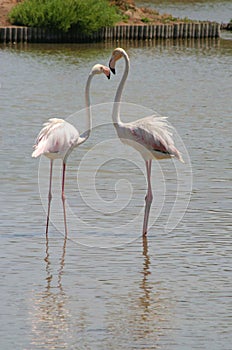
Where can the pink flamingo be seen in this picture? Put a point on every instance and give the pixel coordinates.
(150, 136)
(58, 138)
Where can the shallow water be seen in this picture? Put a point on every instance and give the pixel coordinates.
(171, 291)
(204, 10)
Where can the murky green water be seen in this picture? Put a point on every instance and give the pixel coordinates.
(172, 291)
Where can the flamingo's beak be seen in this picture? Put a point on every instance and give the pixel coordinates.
(112, 65)
(107, 72)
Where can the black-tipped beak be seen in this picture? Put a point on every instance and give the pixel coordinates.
(108, 76)
(112, 65)
(113, 70)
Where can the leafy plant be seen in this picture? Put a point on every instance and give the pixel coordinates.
(145, 20)
(87, 15)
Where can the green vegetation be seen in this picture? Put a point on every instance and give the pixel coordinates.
(145, 20)
(87, 15)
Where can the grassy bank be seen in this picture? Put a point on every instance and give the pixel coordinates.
(128, 13)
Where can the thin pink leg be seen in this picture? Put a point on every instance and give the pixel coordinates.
(49, 196)
(63, 198)
(148, 198)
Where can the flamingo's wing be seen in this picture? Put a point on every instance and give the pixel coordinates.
(56, 137)
(151, 134)
(155, 134)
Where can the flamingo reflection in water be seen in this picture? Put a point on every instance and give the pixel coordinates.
(50, 314)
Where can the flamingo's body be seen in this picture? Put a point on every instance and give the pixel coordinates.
(58, 138)
(151, 136)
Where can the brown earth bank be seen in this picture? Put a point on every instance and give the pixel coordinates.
(5, 7)
(140, 15)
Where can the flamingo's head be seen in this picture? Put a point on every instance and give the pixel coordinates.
(99, 69)
(116, 55)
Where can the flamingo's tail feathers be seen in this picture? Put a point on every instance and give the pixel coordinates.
(36, 153)
(173, 151)
(39, 149)
(178, 155)
(181, 158)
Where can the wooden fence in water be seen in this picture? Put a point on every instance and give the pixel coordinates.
(123, 32)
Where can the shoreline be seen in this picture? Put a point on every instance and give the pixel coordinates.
(133, 29)
(183, 30)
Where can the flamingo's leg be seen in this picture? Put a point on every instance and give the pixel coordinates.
(49, 195)
(63, 198)
(148, 198)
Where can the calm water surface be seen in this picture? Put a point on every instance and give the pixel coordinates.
(211, 10)
(172, 291)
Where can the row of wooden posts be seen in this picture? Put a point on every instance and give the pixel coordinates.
(125, 32)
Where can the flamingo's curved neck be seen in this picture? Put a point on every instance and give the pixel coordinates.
(117, 99)
(85, 135)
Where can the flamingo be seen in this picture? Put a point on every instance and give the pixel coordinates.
(150, 136)
(58, 138)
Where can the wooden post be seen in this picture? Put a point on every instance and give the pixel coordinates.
(23, 34)
(130, 32)
(154, 31)
(9, 34)
(210, 30)
(118, 33)
(136, 32)
(20, 35)
(197, 30)
(122, 32)
(27, 33)
(158, 31)
(145, 32)
(140, 32)
(206, 30)
(149, 32)
(214, 30)
(14, 35)
(185, 30)
(161, 31)
(2, 35)
(176, 31)
(126, 36)
(165, 31)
